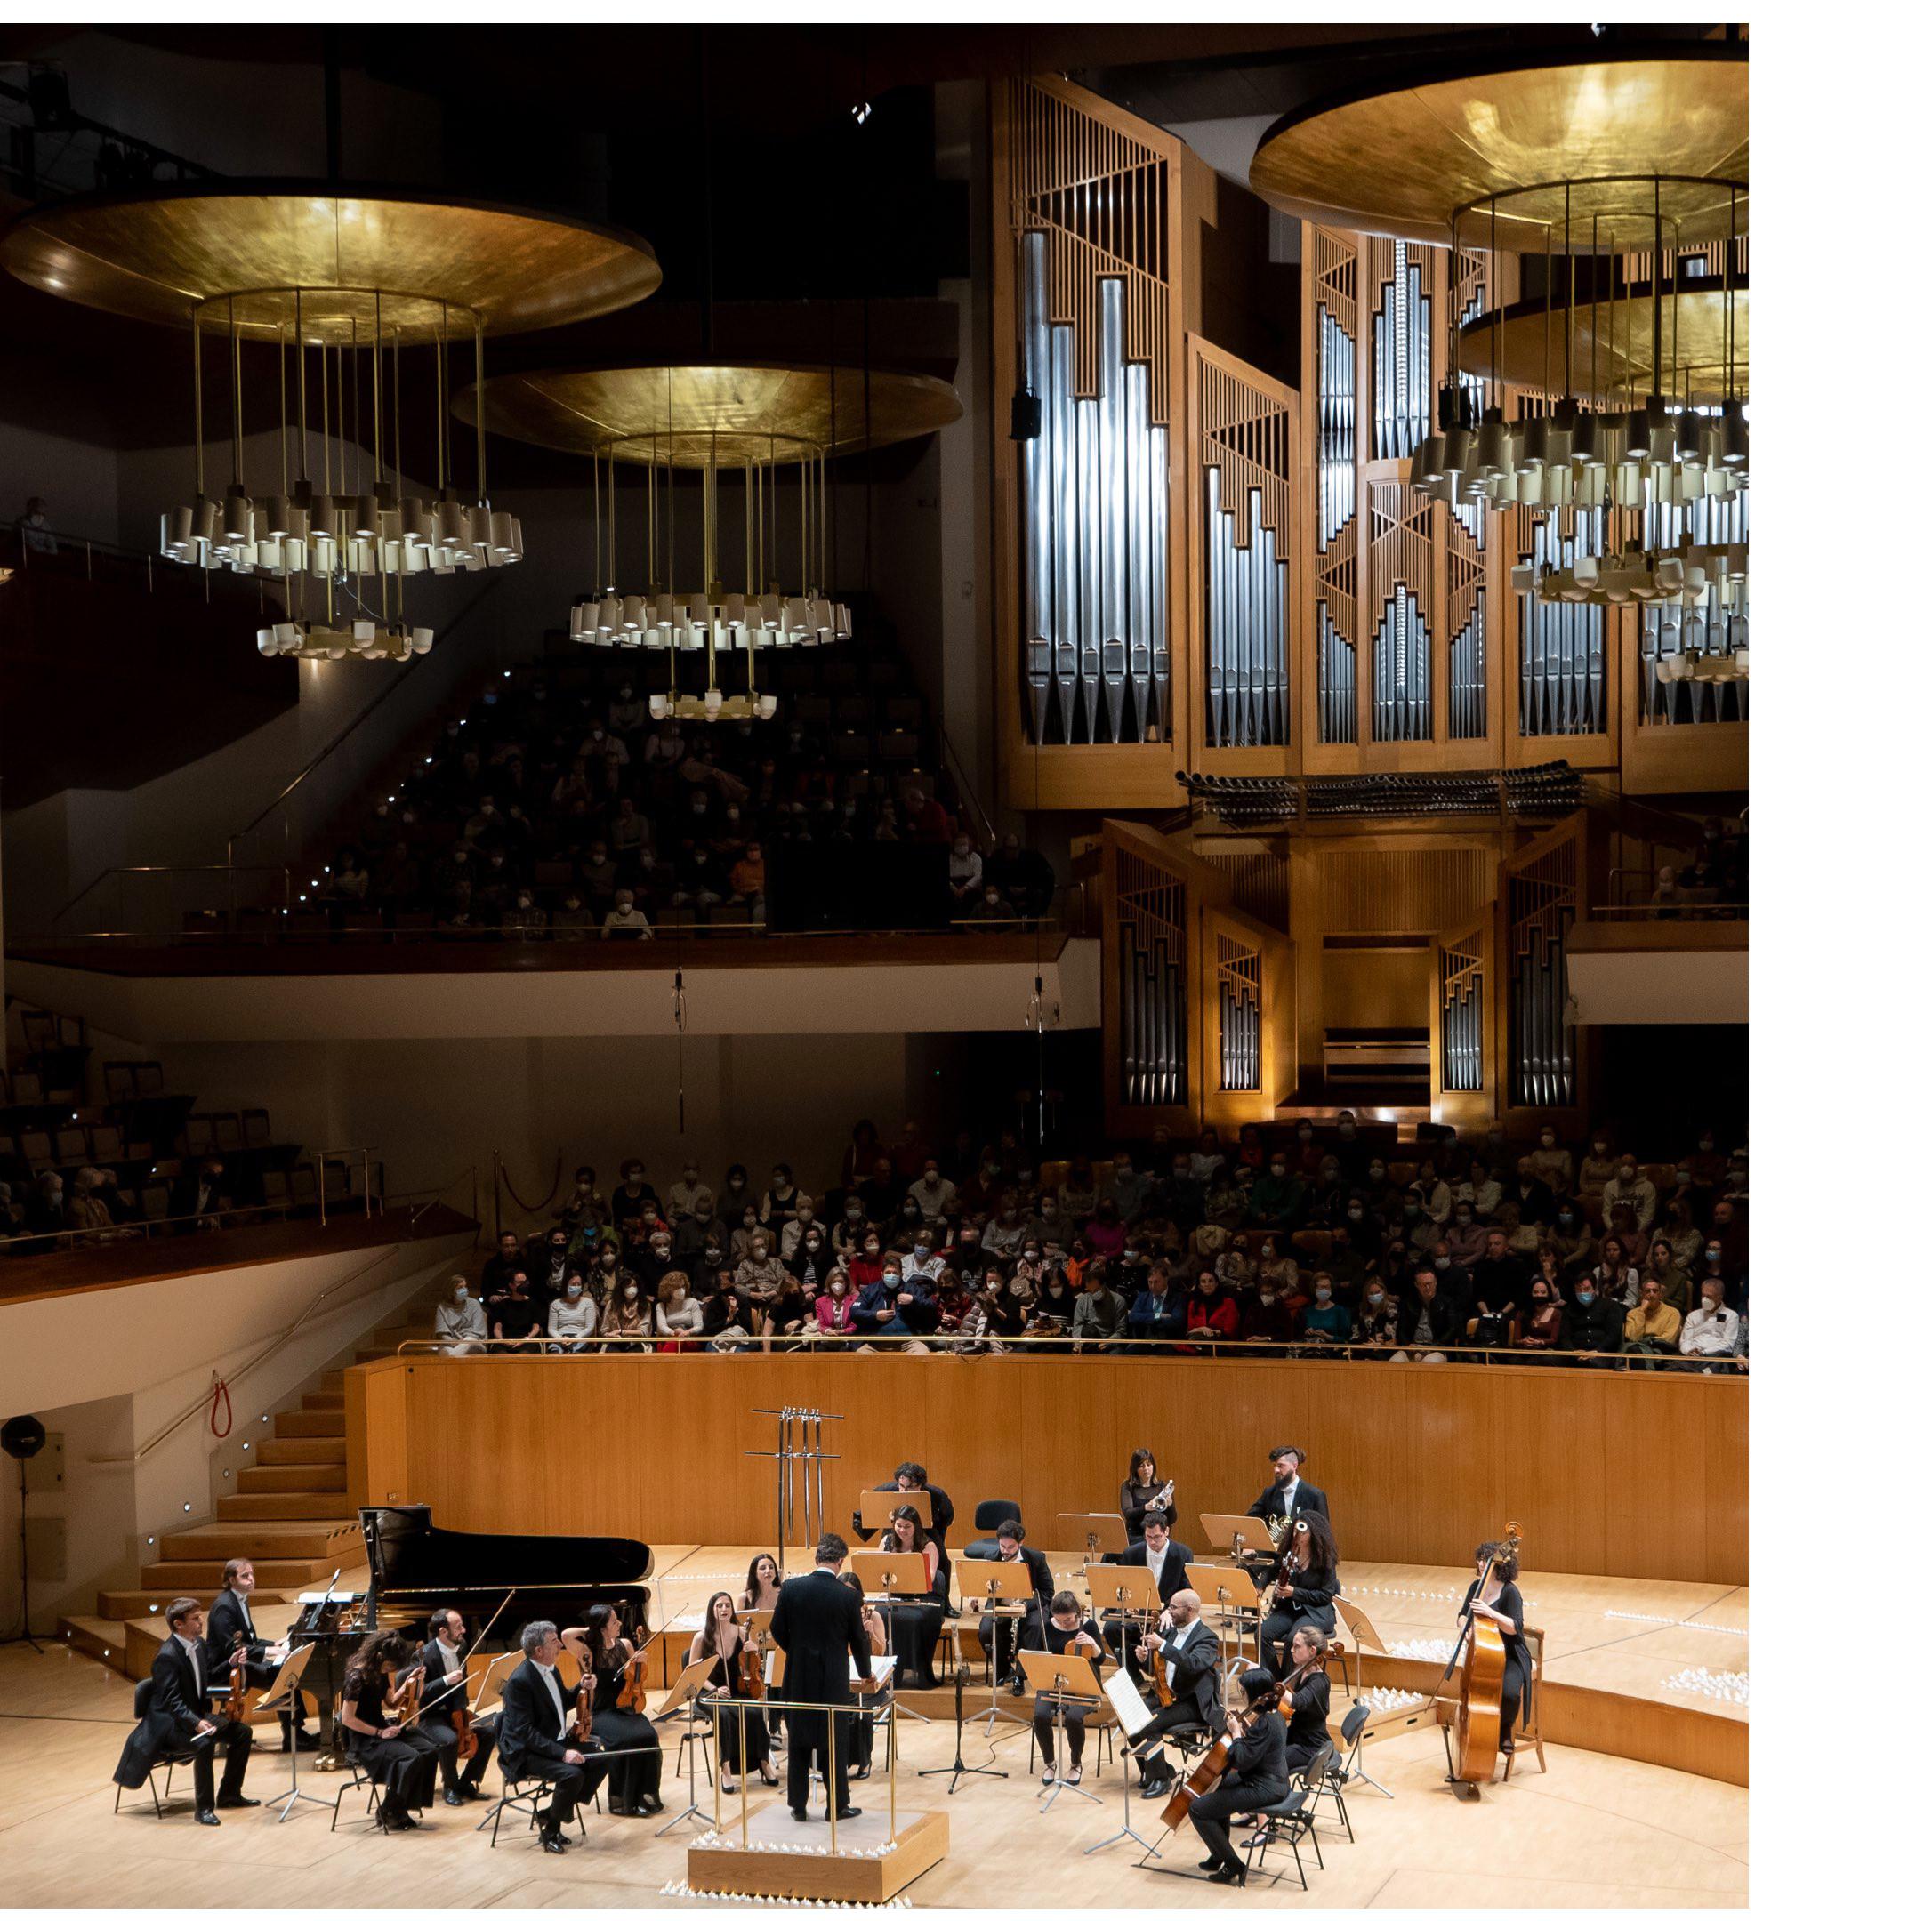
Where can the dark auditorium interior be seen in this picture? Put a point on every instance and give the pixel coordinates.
(733, 752)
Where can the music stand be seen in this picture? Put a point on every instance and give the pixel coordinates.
(1131, 1714)
(875, 1506)
(683, 1694)
(1060, 1679)
(1124, 1591)
(1232, 1591)
(1100, 1533)
(1236, 1534)
(1002, 1590)
(280, 1698)
(890, 1577)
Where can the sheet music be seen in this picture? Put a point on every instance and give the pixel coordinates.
(1133, 1713)
(883, 1667)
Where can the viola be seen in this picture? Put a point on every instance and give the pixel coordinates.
(464, 1724)
(580, 1728)
(1211, 1765)
(1475, 1732)
(631, 1690)
(405, 1696)
(236, 1707)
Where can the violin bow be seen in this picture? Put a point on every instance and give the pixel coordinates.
(449, 1680)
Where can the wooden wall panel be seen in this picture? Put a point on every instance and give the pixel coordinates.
(1420, 1463)
(1394, 890)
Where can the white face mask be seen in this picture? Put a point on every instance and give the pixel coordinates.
(573, 1290)
(463, 1294)
(630, 1293)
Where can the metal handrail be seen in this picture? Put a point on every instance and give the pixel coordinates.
(949, 753)
(109, 874)
(1685, 910)
(494, 580)
(1004, 1345)
(321, 1156)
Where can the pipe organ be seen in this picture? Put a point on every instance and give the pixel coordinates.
(1560, 645)
(1331, 265)
(1540, 892)
(1154, 1003)
(1239, 970)
(1403, 384)
(1459, 1010)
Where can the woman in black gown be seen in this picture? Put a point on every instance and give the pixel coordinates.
(914, 1624)
(402, 1759)
(633, 1778)
(1141, 1489)
(1304, 1587)
(860, 1727)
(1501, 1601)
(1066, 1631)
(740, 1727)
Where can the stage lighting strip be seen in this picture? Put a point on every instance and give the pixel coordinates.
(685, 1891)
(1670, 1620)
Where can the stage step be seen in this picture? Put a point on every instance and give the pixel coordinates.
(97, 1637)
(324, 1399)
(326, 1477)
(304, 1450)
(261, 1538)
(331, 1382)
(166, 1577)
(137, 1605)
(326, 1504)
(295, 1424)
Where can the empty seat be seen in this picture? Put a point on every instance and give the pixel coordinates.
(552, 873)
(197, 1135)
(812, 710)
(228, 1132)
(70, 1145)
(898, 747)
(851, 750)
(335, 1180)
(301, 1185)
(117, 1079)
(148, 1078)
(904, 710)
(852, 711)
(255, 1127)
(25, 1089)
(106, 1144)
(275, 1187)
(37, 1148)
(154, 1201)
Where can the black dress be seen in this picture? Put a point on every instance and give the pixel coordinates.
(633, 1778)
(405, 1765)
(1307, 1716)
(1312, 1599)
(1057, 1640)
(738, 1712)
(913, 1627)
(1134, 1502)
(1516, 1666)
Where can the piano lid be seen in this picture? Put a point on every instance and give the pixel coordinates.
(410, 1553)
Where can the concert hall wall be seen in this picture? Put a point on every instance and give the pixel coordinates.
(1420, 1462)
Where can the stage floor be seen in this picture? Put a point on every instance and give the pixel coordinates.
(1597, 1830)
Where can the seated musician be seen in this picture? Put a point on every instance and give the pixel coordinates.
(402, 1760)
(181, 1715)
(1000, 1635)
(1305, 1583)
(533, 1738)
(1163, 1557)
(1064, 1630)
(915, 1623)
(230, 1625)
(859, 1729)
(446, 1693)
(634, 1776)
(724, 1647)
(1189, 1659)
(909, 1477)
(1256, 1776)
(1305, 1695)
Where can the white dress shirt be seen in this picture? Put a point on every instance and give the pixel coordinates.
(549, 1673)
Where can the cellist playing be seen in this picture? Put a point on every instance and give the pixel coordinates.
(1494, 1594)
(1256, 1776)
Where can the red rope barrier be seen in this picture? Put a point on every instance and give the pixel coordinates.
(221, 1410)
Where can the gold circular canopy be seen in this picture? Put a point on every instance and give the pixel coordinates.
(165, 255)
(1402, 160)
(730, 414)
(1620, 333)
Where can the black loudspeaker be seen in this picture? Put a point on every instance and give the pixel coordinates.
(1027, 416)
(23, 1437)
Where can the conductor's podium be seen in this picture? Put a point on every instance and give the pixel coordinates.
(773, 1855)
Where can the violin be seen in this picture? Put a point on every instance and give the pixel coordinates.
(236, 1707)
(631, 1689)
(751, 1666)
(464, 1724)
(1211, 1765)
(405, 1696)
(580, 1728)
(1475, 1732)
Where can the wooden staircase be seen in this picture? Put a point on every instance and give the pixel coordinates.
(290, 1514)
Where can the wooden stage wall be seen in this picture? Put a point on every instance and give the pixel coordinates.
(1640, 1476)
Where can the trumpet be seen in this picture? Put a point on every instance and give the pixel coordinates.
(1165, 1497)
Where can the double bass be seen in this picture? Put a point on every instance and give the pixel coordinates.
(1475, 1732)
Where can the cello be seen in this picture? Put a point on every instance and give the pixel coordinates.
(1474, 1733)
(1211, 1765)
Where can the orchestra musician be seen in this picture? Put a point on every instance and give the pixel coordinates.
(719, 1644)
(1256, 1776)
(820, 1624)
(1000, 1635)
(1307, 1579)
(1305, 1695)
(909, 1477)
(229, 1623)
(859, 1735)
(181, 1714)
(1190, 1658)
(1163, 1557)
(1288, 1494)
(761, 1595)
(1141, 1489)
(914, 1624)
(1502, 1602)
(1064, 1630)
(446, 1693)
(534, 1740)
(401, 1760)
(634, 1776)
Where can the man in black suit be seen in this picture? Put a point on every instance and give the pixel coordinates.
(229, 1622)
(1191, 1657)
(532, 1740)
(1167, 1561)
(445, 1689)
(820, 1624)
(1018, 1630)
(181, 1714)
(1288, 1495)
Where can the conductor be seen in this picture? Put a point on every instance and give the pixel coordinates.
(819, 1623)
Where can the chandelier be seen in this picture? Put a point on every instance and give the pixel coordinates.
(1627, 172)
(336, 287)
(754, 579)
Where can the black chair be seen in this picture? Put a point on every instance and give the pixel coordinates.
(172, 1758)
(1291, 1819)
(1348, 1769)
(358, 1777)
(987, 1518)
(532, 1795)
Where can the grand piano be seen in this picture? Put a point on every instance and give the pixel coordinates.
(416, 1567)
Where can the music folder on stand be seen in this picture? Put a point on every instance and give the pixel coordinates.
(877, 1505)
(280, 1699)
(1100, 1533)
(1060, 1680)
